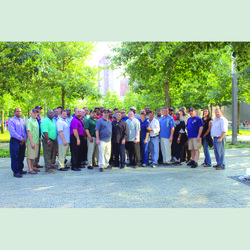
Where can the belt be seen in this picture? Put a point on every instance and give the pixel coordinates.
(154, 136)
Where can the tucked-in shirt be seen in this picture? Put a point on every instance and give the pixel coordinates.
(143, 131)
(17, 128)
(33, 127)
(105, 129)
(77, 123)
(193, 126)
(69, 119)
(63, 125)
(125, 118)
(49, 126)
(133, 127)
(219, 125)
(155, 125)
(119, 131)
(90, 124)
(166, 125)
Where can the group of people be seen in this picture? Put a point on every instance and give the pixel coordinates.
(106, 139)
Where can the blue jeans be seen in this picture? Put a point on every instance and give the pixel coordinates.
(219, 152)
(154, 149)
(17, 153)
(206, 152)
(144, 150)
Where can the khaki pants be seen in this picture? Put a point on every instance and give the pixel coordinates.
(104, 153)
(36, 161)
(47, 154)
(62, 153)
(55, 152)
(93, 151)
(166, 150)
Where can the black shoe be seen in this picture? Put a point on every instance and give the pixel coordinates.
(82, 166)
(195, 165)
(136, 166)
(90, 167)
(62, 169)
(75, 169)
(190, 163)
(23, 172)
(109, 167)
(101, 169)
(67, 167)
(18, 175)
(121, 167)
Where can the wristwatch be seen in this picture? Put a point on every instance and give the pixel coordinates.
(48, 140)
(178, 139)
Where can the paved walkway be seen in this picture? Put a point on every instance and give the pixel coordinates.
(162, 187)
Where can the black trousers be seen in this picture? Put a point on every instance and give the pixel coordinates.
(84, 150)
(119, 150)
(76, 152)
(134, 152)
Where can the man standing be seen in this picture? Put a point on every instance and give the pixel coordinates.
(18, 137)
(49, 134)
(154, 128)
(115, 110)
(76, 139)
(63, 138)
(187, 152)
(59, 108)
(134, 111)
(124, 116)
(56, 117)
(89, 127)
(147, 109)
(218, 132)
(194, 130)
(98, 113)
(32, 129)
(39, 120)
(159, 115)
(86, 112)
(171, 113)
(103, 140)
(84, 146)
(69, 117)
(166, 135)
(133, 142)
(119, 136)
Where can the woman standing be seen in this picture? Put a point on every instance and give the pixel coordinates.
(179, 139)
(206, 137)
(144, 133)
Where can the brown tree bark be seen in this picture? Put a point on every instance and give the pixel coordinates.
(238, 116)
(167, 97)
(2, 120)
(63, 98)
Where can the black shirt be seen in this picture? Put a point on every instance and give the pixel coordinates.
(119, 131)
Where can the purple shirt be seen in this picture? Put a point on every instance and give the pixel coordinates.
(17, 128)
(77, 124)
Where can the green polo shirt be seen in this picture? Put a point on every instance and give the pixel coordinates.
(33, 126)
(90, 125)
(49, 126)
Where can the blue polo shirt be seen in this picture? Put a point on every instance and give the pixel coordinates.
(193, 126)
(125, 118)
(166, 125)
(144, 130)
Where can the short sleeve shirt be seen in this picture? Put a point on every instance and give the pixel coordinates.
(105, 129)
(49, 126)
(193, 126)
(76, 123)
(133, 127)
(63, 125)
(144, 130)
(33, 126)
(90, 124)
(166, 125)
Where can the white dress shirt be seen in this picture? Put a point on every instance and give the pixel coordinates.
(155, 125)
(219, 125)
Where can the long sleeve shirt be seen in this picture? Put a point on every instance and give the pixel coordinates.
(17, 128)
(155, 125)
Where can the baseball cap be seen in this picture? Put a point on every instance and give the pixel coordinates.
(97, 108)
(134, 108)
(105, 110)
(191, 109)
(34, 110)
(38, 107)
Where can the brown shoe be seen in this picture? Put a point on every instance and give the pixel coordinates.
(219, 168)
(53, 166)
(35, 169)
(39, 166)
(215, 166)
(32, 172)
(50, 171)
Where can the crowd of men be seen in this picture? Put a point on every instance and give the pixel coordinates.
(109, 139)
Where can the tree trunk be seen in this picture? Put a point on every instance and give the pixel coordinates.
(211, 109)
(2, 119)
(238, 116)
(63, 98)
(167, 98)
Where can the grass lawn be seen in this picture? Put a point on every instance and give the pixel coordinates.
(242, 132)
(5, 137)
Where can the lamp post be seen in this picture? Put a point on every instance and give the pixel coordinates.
(234, 103)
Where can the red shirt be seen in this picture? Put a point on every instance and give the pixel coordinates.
(99, 117)
(174, 117)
